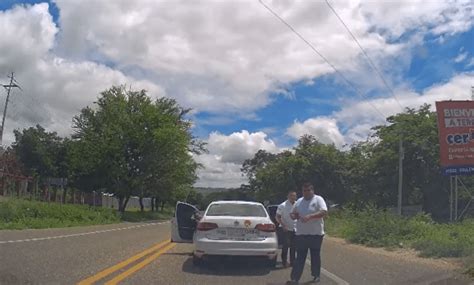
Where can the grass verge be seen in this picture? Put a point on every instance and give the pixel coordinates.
(20, 214)
(378, 228)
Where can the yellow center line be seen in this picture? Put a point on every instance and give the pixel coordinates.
(139, 266)
(122, 264)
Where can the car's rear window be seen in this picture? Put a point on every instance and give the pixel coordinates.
(239, 210)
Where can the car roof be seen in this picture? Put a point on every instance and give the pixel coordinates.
(237, 202)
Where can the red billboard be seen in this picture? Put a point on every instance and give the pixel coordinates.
(456, 136)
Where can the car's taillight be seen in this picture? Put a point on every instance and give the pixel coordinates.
(266, 227)
(206, 226)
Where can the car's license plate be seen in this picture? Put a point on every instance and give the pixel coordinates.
(237, 232)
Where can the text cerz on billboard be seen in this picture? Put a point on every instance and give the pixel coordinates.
(456, 136)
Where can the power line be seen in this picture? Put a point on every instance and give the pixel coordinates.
(369, 60)
(401, 151)
(347, 81)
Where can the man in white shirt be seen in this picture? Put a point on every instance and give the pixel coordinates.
(309, 212)
(288, 226)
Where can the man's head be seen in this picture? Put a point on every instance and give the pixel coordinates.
(292, 196)
(308, 191)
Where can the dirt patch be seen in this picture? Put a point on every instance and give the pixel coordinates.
(402, 254)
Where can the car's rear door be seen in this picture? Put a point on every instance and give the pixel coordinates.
(184, 223)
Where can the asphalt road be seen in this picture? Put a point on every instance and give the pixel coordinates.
(142, 254)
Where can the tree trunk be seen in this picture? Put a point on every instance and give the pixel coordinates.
(162, 205)
(29, 190)
(157, 204)
(152, 204)
(140, 200)
(49, 194)
(18, 188)
(120, 203)
(3, 186)
(64, 195)
(123, 203)
(35, 188)
(55, 194)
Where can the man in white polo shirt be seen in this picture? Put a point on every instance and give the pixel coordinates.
(288, 226)
(309, 212)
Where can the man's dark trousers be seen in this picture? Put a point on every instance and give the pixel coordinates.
(303, 243)
(288, 243)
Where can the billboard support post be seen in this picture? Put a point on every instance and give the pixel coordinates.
(451, 200)
(456, 198)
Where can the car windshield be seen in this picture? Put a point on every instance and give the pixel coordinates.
(238, 210)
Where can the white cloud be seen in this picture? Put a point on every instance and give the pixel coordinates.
(324, 129)
(461, 57)
(240, 146)
(218, 174)
(226, 155)
(435, 17)
(226, 57)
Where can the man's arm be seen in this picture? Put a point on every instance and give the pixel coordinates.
(319, 214)
(294, 214)
(278, 217)
(280, 221)
(315, 216)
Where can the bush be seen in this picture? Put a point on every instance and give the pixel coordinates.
(455, 240)
(379, 228)
(138, 216)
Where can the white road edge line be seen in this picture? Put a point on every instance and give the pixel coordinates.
(331, 276)
(79, 234)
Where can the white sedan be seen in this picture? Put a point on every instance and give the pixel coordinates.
(234, 228)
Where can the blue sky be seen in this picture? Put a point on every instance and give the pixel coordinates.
(251, 82)
(8, 4)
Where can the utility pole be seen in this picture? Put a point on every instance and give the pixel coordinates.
(401, 155)
(8, 87)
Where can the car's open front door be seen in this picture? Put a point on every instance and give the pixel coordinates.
(184, 223)
(272, 209)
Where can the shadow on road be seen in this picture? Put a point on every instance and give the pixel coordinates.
(229, 267)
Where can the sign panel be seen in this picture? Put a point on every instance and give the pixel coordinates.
(456, 136)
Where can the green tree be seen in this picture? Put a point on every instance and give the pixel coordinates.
(272, 176)
(132, 145)
(422, 181)
(42, 153)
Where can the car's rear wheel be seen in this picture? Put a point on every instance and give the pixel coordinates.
(197, 261)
